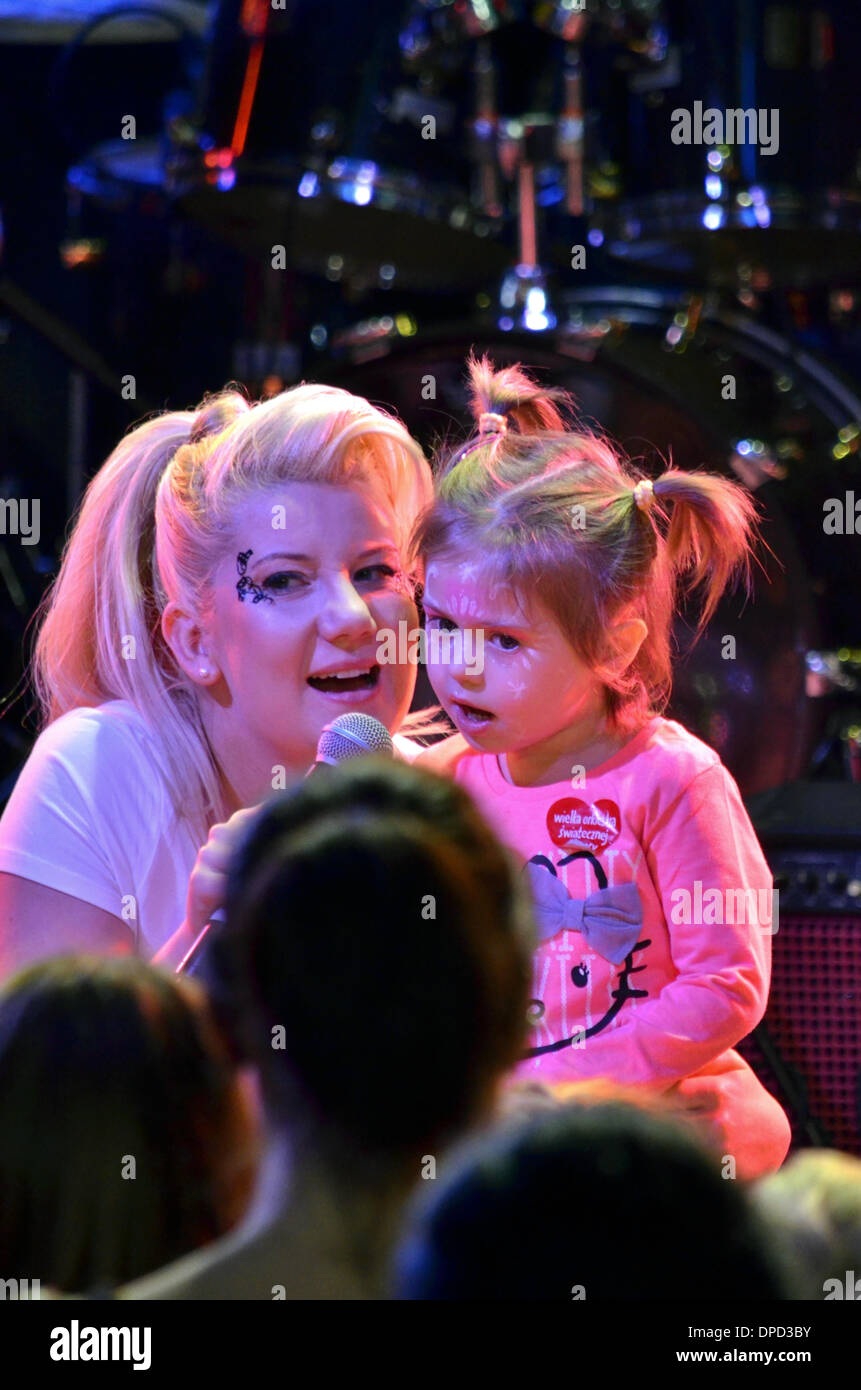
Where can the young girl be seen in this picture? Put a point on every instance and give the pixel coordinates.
(652, 895)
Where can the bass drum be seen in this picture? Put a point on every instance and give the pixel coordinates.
(659, 376)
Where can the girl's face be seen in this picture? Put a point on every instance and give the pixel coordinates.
(534, 692)
(313, 574)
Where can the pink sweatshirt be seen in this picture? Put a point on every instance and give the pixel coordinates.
(663, 814)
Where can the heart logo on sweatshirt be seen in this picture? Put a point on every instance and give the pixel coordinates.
(574, 824)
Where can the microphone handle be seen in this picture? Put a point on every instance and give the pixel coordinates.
(192, 957)
(318, 769)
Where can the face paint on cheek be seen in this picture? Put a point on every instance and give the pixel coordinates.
(246, 584)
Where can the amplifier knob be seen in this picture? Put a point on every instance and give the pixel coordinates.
(807, 880)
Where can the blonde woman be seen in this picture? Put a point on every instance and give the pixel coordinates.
(218, 603)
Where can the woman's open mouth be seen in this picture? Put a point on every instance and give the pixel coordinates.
(472, 715)
(349, 683)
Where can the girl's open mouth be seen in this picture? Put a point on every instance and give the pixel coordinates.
(473, 714)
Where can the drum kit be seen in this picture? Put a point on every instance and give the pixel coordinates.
(443, 174)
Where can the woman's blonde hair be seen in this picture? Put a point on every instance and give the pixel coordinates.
(153, 526)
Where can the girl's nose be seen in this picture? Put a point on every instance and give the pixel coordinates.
(463, 669)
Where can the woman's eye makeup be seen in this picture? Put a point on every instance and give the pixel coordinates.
(245, 584)
(293, 581)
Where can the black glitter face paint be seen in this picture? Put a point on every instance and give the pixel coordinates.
(246, 584)
(405, 584)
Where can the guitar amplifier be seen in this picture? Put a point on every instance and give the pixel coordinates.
(807, 1050)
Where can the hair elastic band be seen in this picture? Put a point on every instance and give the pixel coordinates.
(644, 494)
(491, 423)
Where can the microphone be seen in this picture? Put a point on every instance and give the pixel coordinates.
(348, 736)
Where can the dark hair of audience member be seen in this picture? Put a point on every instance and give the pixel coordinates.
(593, 1202)
(813, 1205)
(124, 1139)
(375, 960)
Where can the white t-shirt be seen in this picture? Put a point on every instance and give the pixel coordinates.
(91, 815)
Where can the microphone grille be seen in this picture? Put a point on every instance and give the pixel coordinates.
(353, 736)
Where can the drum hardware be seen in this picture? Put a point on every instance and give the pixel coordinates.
(731, 216)
(184, 21)
(62, 21)
(484, 134)
(435, 27)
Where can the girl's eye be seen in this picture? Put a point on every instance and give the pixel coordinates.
(506, 641)
(446, 624)
(385, 571)
(280, 582)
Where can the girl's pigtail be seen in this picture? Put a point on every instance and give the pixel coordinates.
(711, 533)
(529, 407)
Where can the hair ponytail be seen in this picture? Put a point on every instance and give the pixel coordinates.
(713, 524)
(533, 409)
(99, 637)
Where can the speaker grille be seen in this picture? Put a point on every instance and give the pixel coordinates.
(813, 1021)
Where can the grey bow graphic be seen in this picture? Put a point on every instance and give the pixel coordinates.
(609, 919)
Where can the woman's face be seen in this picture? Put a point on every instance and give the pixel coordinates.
(313, 575)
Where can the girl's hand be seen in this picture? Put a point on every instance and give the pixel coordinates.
(695, 1102)
(207, 884)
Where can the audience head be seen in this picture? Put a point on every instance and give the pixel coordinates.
(814, 1205)
(376, 959)
(125, 1141)
(602, 1201)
